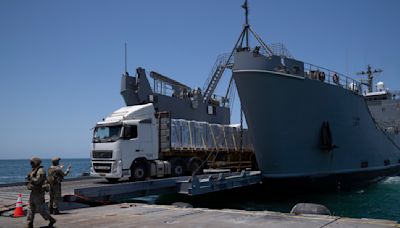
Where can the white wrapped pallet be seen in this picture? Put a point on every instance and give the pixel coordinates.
(176, 134)
(201, 135)
(186, 138)
(230, 137)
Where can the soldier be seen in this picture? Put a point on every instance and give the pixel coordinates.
(36, 182)
(55, 176)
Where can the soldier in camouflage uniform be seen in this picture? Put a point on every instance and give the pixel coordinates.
(54, 178)
(36, 182)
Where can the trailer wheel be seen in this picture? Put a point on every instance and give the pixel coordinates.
(194, 166)
(138, 172)
(112, 180)
(177, 167)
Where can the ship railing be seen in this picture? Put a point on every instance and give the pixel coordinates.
(159, 87)
(332, 77)
(395, 94)
(277, 49)
(163, 88)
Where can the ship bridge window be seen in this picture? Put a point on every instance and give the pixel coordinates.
(296, 69)
(211, 110)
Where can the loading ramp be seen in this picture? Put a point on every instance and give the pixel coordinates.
(188, 185)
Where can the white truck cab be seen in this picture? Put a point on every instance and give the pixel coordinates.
(126, 136)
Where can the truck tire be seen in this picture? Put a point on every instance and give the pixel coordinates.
(193, 166)
(177, 167)
(138, 171)
(112, 180)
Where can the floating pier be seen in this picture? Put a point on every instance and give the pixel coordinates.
(143, 215)
(138, 215)
(188, 185)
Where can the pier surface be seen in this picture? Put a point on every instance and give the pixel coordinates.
(9, 192)
(143, 215)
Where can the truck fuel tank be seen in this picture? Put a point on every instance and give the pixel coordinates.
(160, 168)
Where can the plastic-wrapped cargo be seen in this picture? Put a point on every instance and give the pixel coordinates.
(231, 137)
(186, 138)
(201, 135)
(176, 137)
(200, 132)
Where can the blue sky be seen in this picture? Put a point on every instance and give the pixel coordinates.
(61, 61)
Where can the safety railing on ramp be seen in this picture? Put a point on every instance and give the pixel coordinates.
(189, 185)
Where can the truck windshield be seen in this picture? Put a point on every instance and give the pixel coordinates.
(106, 133)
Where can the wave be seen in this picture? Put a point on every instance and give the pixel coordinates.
(392, 180)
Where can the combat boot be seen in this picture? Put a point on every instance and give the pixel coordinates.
(52, 221)
(29, 225)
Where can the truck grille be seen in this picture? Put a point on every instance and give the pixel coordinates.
(102, 167)
(102, 154)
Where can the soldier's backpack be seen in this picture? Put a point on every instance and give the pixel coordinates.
(52, 176)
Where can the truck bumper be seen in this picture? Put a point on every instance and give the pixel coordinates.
(107, 169)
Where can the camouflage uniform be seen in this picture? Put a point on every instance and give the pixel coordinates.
(54, 178)
(36, 182)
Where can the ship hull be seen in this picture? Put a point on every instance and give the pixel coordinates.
(285, 113)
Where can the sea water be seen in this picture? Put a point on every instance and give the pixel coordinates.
(12, 171)
(380, 200)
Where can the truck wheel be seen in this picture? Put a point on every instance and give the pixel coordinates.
(177, 167)
(138, 172)
(112, 180)
(194, 166)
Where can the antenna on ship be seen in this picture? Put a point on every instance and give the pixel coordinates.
(246, 25)
(371, 74)
(126, 59)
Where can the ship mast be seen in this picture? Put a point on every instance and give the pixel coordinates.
(246, 25)
(371, 74)
(224, 63)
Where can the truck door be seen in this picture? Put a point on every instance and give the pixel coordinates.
(130, 145)
(146, 140)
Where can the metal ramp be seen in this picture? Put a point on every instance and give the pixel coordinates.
(188, 185)
(198, 186)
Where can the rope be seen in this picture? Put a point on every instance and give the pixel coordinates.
(241, 135)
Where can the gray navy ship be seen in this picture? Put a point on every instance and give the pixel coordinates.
(310, 126)
(313, 126)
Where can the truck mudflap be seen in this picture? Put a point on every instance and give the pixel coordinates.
(107, 169)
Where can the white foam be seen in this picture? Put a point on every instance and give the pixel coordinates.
(392, 180)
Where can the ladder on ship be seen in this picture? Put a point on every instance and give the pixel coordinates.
(215, 75)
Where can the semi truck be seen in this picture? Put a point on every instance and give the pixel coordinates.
(138, 142)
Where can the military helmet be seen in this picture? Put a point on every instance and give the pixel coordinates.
(36, 160)
(55, 159)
